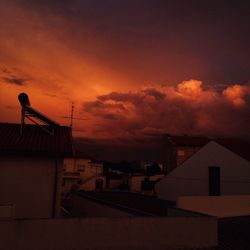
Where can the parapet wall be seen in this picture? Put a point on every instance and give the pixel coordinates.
(219, 206)
(108, 233)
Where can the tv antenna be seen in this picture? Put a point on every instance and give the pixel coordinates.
(71, 117)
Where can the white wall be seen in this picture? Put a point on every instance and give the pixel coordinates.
(29, 184)
(191, 178)
(219, 206)
(108, 233)
(90, 170)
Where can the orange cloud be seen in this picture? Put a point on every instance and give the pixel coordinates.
(236, 95)
(186, 108)
(190, 89)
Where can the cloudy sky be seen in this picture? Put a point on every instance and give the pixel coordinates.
(135, 69)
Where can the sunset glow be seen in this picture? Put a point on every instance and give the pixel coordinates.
(133, 75)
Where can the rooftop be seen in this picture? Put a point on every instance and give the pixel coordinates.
(185, 140)
(78, 154)
(137, 203)
(34, 141)
(238, 146)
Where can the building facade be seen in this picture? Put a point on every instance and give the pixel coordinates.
(82, 172)
(177, 149)
(213, 170)
(31, 167)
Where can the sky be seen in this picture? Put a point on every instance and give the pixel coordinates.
(134, 69)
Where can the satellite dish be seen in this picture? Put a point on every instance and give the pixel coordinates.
(24, 99)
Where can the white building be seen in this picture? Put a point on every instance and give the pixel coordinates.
(212, 170)
(31, 170)
(82, 172)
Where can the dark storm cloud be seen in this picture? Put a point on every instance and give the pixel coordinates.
(115, 96)
(57, 96)
(155, 93)
(102, 109)
(120, 149)
(13, 76)
(14, 80)
(101, 105)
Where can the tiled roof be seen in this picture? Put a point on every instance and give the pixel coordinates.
(34, 141)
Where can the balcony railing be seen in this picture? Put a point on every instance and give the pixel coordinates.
(71, 175)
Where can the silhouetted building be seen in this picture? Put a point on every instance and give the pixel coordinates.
(82, 172)
(31, 167)
(179, 148)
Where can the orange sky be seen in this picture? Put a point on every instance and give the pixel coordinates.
(127, 68)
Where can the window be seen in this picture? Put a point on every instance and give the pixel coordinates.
(214, 181)
(81, 167)
(181, 152)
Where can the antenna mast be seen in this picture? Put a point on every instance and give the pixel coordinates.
(72, 115)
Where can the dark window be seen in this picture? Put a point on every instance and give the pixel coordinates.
(214, 180)
(81, 167)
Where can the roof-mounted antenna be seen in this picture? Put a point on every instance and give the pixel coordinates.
(71, 117)
(35, 116)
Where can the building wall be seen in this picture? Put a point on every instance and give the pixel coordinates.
(183, 153)
(191, 178)
(176, 155)
(169, 156)
(69, 165)
(90, 185)
(114, 184)
(88, 171)
(109, 233)
(58, 185)
(29, 184)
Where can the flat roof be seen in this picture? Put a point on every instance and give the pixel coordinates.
(135, 203)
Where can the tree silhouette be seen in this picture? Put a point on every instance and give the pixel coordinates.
(153, 169)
